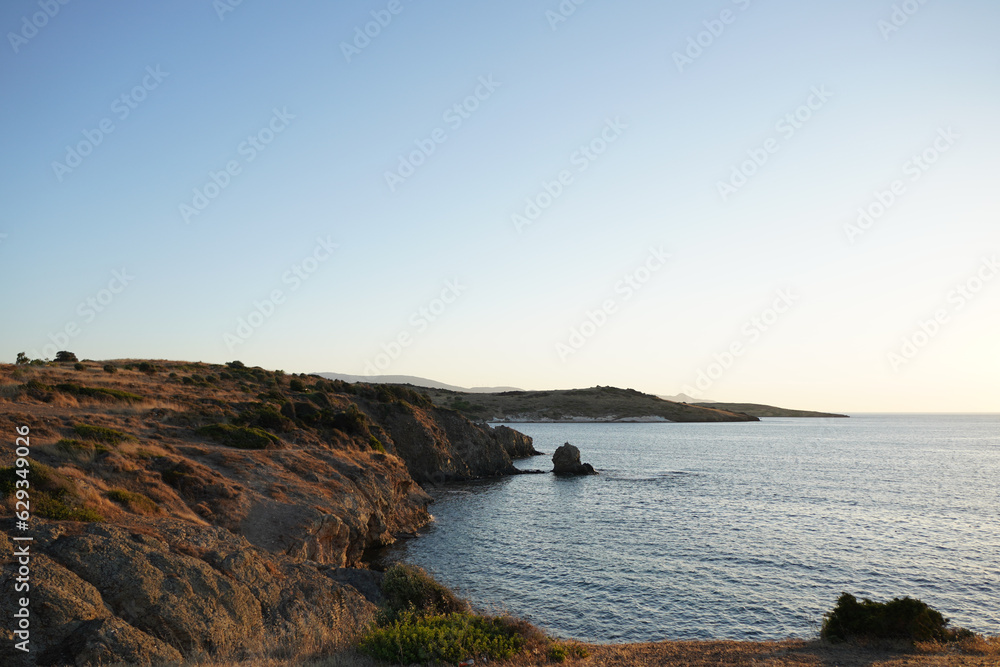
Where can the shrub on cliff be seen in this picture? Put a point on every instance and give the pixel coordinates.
(101, 393)
(101, 434)
(408, 587)
(899, 618)
(239, 437)
(51, 496)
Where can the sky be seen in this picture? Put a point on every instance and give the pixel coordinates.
(777, 202)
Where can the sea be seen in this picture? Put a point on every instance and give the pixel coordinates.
(744, 531)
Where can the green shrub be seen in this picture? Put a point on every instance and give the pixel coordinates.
(134, 502)
(37, 390)
(376, 444)
(147, 368)
(64, 356)
(351, 421)
(408, 587)
(559, 652)
(102, 434)
(52, 496)
(101, 393)
(448, 637)
(297, 385)
(79, 449)
(239, 437)
(79, 367)
(899, 618)
(265, 416)
(110, 368)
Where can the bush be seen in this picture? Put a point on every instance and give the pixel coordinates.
(410, 588)
(147, 368)
(79, 367)
(64, 356)
(99, 393)
(265, 416)
(22, 359)
(52, 496)
(297, 385)
(900, 618)
(239, 437)
(450, 638)
(101, 434)
(110, 368)
(134, 502)
(559, 652)
(376, 444)
(351, 421)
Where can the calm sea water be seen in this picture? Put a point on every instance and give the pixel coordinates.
(741, 531)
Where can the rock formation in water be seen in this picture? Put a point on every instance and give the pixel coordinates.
(566, 461)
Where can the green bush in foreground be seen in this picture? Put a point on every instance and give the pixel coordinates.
(448, 637)
(899, 618)
(101, 434)
(409, 588)
(239, 437)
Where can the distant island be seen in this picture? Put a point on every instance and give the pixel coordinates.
(597, 404)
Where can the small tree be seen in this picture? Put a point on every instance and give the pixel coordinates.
(66, 356)
(22, 359)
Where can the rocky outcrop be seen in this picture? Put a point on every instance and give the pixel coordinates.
(200, 546)
(516, 444)
(440, 445)
(566, 461)
(115, 594)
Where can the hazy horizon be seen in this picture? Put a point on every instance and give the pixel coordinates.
(780, 203)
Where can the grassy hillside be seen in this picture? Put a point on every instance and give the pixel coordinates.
(597, 403)
(758, 410)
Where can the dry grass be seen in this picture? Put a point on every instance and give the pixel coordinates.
(789, 653)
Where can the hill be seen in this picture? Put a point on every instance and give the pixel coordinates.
(597, 404)
(770, 411)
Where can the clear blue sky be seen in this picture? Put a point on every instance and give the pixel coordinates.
(309, 129)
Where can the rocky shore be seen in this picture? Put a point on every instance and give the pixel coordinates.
(185, 510)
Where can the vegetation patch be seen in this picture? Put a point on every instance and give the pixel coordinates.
(559, 652)
(100, 393)
(52, 496)
(134, 502)
(423, 621)
(239, 437)
(264, 416)
(899, 618)
(448, 637)
(376, 444)
(102, 434)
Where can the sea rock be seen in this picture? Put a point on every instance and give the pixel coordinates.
(566, 461)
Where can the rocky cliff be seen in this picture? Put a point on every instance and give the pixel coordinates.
(188, 509)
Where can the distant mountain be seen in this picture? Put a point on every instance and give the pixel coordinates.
(414, 380)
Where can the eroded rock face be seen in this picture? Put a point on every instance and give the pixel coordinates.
(516, 444)
(113, 594)
(566, 461)
(442, 446)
